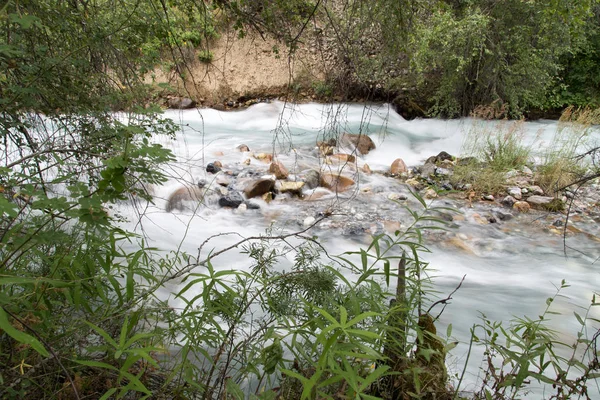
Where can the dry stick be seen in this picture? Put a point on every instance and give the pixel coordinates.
(446, 300)
(50, 349)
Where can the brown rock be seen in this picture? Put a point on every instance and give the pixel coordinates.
(183, 194)
(267, 197)
(218, 164)
(343, 157)
(247, 161)
(294, 188)
(259, 188)
(278, 170)
(361, 142)
(398, 167)
(264, 157)
(366, 169)
(243, 147)
(336, 183)
(522, 206)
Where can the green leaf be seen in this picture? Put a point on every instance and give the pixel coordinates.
(19, 336)
(233, 389)
(579, 319)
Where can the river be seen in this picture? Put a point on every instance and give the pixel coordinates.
(510, 267)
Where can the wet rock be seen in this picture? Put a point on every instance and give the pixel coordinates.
(354, 229)
(503, 216)
(342, 157)
(366, 169)
(181, 103)
(223, 180)
(294, 188)
(247, 161)
(361, 142)
(267, 197)
(264, 157)
(276, 168)
(398, 167)
(211, 168)
(242, 208)
(336, 183)
(308, 221)
(539, 200)
(508, 201)
(232, 200)
(312, 179)
(415, 183)
(251, 206)
(515, 192)
(184, 194)
(443, 156)
(522, 206)
(447, 186)
(259, 188)
(218, 164)
(243, 148)
(491, 219)
(558, 223)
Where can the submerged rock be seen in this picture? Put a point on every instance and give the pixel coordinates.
(243, 148)
(294, 188)
(336, 183)
(522, 206)
(312, 179)
(232, 200)
(361, 142)
(212, 168)
(178, 198)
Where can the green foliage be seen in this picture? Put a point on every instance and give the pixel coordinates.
(495, 51)
(205, 56)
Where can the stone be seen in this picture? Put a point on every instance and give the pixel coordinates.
(181, 103)
(308, 221)
(218, 164)
(312, 179)
(335, 182)
(503, 216)
(264, 157)
(326, 151)
(443, 171)
(430, 194)
(361, 142)
(488, 197)
(251, 206)
(539, 200)
(267, 197)
(294, 188)
(247, 161)
(232, 200)
(427, 170)
(524, 191)
(223, 180)
(522, 206)
(515, 192)
(415, 183)
(342, 157)
(527, 171)
(180, 196)
(398, 167)
(397, 197)
(259, 188)
(511, 174)
(243, 148)
(212, 168)
(443, 156)
(536, 190)
(276, 168)
(508, 201)
(242, 208)
(366, 169)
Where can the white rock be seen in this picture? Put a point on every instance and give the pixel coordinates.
(309, 221)
(515, 192)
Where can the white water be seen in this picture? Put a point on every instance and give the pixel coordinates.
(510, 270)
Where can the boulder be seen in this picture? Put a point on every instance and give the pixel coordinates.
(336, 183)
(252, 206)
(243, 148)
(536, 190)
(181, 103)
(366, 169)
(232, 200)
(276, 168)
(259, 188)
(361, 142)
(508, 201)
(178, 198)
(264, 157)
(223, 180)
(547, 203)
(427, 170)
(398, 167)
(522, 206)
(218, 164)
(312, 179)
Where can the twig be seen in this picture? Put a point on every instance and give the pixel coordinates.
(446, 300)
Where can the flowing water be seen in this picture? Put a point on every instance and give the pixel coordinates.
(511, 267)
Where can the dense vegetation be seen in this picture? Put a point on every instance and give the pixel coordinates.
(79, 312)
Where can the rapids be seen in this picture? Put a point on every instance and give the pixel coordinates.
(511, 266)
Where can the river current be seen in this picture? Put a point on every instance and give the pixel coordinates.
(511, 267)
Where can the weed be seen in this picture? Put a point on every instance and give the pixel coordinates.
(205, 56)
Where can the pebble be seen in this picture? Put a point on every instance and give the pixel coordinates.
(515, 192)
(309, 221)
